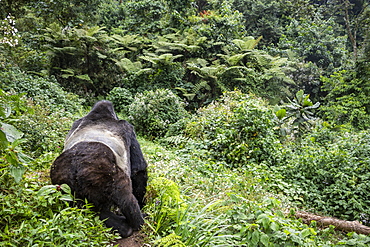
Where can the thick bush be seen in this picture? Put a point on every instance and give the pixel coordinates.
(226, 207)
(238, 128)
(49, 110)
(152, 112)
(45, 131)
(38, 216)
(347, 100)
(45, 91)
(121, 99)
(333, 174)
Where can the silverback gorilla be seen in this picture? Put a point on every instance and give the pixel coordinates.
(102, 162)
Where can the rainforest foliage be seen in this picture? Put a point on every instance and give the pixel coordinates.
(247, 111)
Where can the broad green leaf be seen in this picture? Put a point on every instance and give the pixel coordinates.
(47, 189)
(280, 114)
(3, 141)
(307, 102)
(11, 132)
(265, 239)
(255, 238)
(299, 95)
(11, 158)
(5, 111)
(84, 77)
(305, 233)
(66, 188)
(316, 105)
(66, 197)
(17, 172)
(24, 158)
(274, 226)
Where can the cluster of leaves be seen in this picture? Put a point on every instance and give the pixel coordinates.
(46, 91)
(121, 99)
(319, 170)
(78, 59)
(13, 161)
(152, 112)
(34, 215)
(8, 32)
(209, 55)
(236, 129)
(191, 46)
(346, 100)
(296, 117)
(225, 207)
(163, 195)
(45, 130)
(316, 41)
(331, 170)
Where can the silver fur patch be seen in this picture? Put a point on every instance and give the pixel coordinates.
(102, 135)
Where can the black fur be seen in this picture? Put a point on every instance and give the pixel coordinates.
(90, 165)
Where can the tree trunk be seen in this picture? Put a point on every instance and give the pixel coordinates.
(343, 225)
(352, 35)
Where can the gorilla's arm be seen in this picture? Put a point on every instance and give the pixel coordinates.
(139, 175)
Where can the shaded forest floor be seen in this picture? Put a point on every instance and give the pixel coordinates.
(135, 240)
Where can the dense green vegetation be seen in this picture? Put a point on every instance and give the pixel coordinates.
(247, 111)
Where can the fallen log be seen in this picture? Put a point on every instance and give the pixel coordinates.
(343, 225)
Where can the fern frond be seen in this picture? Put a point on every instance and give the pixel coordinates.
(176, 140)
(128, 66)
(200, 85)
(172, 240)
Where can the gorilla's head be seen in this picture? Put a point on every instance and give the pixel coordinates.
(102, 110)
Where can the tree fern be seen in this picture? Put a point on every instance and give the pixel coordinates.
(126, 65)
(156, 59)
(201, 85)
(248, 43)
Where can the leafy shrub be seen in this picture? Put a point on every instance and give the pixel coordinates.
(144, 16)
(331, 173)
(121, 99)
(42, 90)
(44, 131)
(226, 208)
(49, 114)
(316, 41)
(158, 71)
(235, 129)
(296, 117)
(221, 25)
(170, 240)
(152, 112)
(347, 100)
(164, 195)
(34, 216)
(14, 161)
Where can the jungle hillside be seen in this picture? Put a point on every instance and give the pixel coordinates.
(253, 116)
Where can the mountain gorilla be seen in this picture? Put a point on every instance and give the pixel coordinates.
(103, 163)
